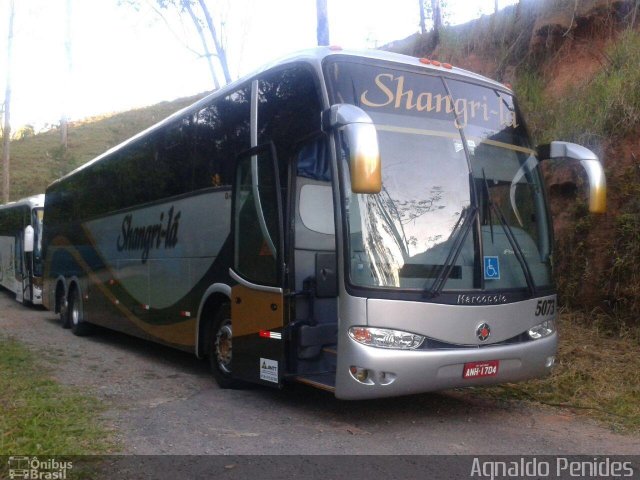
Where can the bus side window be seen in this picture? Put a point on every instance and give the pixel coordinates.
(288, 112)
(221, 131)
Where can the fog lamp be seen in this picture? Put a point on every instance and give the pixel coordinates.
(360, 374)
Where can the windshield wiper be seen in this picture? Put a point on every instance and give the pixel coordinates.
(517, 250)
(486, 189)
(458, 242)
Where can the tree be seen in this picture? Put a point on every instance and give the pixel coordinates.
(200, 18)
(436, 16)
(423, 27)
(186, 5)
(432, 9)
(6, 143)
(220, 49)
(323, 22)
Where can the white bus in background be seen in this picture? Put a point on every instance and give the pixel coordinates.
(21, 248)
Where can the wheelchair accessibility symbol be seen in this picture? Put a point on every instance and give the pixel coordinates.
(491, 268)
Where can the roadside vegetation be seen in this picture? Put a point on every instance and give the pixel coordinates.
(603, 114)
(597, 374)
(39, 416)
(605, 107)
(599, 258)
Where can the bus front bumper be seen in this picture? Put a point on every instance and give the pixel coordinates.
(366, 372)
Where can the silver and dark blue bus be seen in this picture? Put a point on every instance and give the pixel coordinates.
(371, 224)
(21, 248)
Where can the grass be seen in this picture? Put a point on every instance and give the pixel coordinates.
(607, 106)
(598, 373)
(42, 417)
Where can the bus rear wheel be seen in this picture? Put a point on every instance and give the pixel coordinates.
(221, 348)
(63, 309)
(79, 326)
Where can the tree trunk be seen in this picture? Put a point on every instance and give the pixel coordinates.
(423, 28)
(495, 6)
(222, 54)
(437, 16)
(323, 22)
(196, 22)
(6, 143)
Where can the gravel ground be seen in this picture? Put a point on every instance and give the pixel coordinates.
(161, 401)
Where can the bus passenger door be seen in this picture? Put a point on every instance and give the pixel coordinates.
(257, 305)
(18, 259)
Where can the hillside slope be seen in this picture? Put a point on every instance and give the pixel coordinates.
(37, 160)
(576, 69)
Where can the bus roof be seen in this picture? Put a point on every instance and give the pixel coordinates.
(34, 201)
(314, 56)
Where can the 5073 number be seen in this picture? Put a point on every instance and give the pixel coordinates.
(545, 307)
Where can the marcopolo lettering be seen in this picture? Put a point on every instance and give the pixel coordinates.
(134, 237)
(481, 299)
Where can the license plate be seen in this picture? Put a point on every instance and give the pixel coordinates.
(488, 368)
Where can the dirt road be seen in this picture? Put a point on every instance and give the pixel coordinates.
(162, 401)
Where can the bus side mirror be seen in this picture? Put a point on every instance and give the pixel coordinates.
(28, 239)
(361, 140)
(589, 161)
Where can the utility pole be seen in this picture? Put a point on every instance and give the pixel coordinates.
(323, 22)
(64, 121)
(6, 141)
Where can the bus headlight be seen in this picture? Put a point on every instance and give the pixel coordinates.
(386, 338)
(542, 330)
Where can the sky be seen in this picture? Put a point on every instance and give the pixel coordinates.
(125, 57)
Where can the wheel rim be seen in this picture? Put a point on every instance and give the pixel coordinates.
(222, 347)
(75, 312)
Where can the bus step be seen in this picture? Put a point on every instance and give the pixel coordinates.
(323, 381)
(330, 349)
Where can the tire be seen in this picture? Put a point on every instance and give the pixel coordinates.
(79, 326)
(220, 348)
(63, 310)
(26, 299)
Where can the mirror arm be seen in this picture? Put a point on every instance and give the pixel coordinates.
(543, 152)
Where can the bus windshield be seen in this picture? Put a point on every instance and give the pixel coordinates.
(462, 205)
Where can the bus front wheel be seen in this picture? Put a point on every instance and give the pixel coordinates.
(221, 348)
